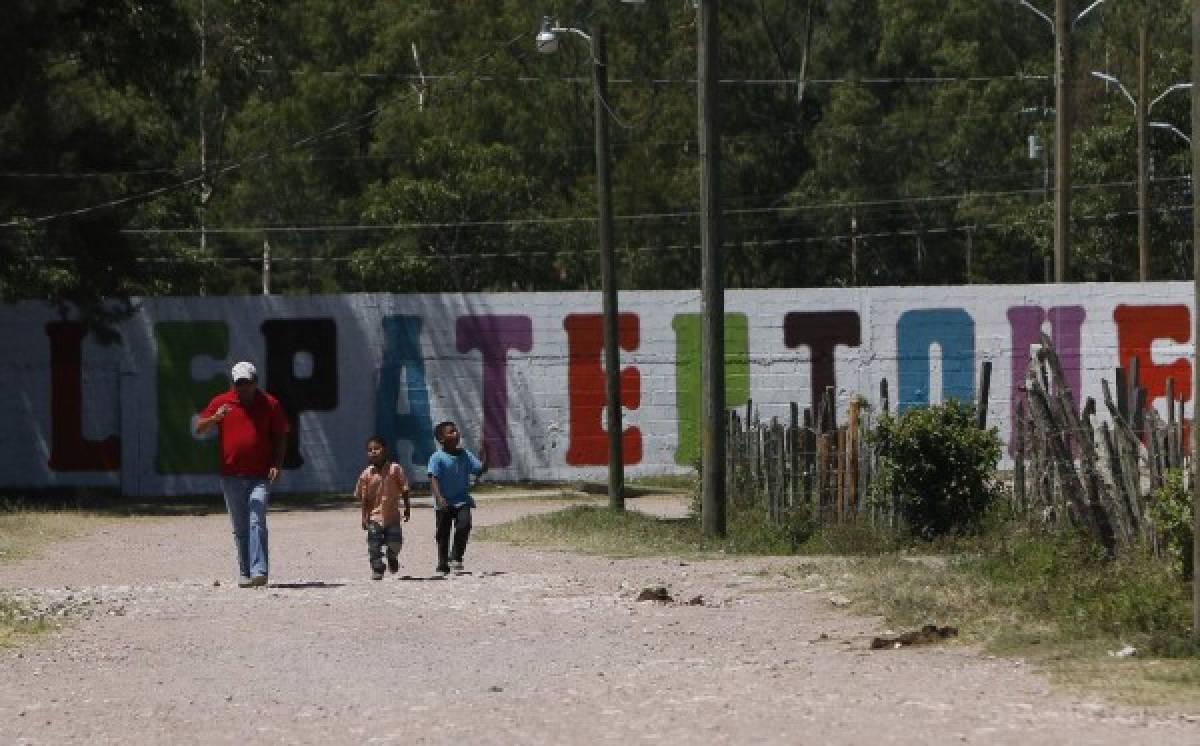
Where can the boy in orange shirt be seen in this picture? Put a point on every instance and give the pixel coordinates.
(379, 489)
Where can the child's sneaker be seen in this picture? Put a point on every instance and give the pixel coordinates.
(456, 566)
(377, 575)
(442, 569)
(244, 581)
(393, 564)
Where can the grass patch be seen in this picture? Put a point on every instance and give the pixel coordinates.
(15, 622)
(1051, 599)
(23, 534)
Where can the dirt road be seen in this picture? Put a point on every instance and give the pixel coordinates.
(532, 647)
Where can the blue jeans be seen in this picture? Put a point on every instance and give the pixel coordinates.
(246, 500)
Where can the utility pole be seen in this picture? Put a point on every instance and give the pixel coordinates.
(1063, 121)
(204, 188)
(1195, 320)
(713, 497)
(266, 267)
(1143, 153)
(608, 274)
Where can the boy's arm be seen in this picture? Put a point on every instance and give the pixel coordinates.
(438, 499)
(402, 483)
(361, 494)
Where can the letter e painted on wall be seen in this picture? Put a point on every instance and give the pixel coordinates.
(588, 443)
(1138, 328)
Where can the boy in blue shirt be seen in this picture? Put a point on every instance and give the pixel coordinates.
(450, 472)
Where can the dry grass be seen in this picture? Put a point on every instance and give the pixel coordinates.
(912, 591)
(25, 534)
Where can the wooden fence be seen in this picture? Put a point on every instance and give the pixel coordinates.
(812, 463)
(1102, 477)
(815, 465)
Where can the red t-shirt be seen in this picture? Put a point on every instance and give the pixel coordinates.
(247, 434)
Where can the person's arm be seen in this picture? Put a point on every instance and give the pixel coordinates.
(280, 450)
(206, 423)
(279, 442)
(483, 457)
(360, 492)
(402, 482)
(438, 499)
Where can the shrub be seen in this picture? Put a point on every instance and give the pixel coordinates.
(1171, 512)
(939, 467)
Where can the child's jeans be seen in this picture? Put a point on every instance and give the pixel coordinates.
(378, 536)
(460, 517)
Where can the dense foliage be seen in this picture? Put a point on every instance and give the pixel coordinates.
(939, 467)
(155, 148)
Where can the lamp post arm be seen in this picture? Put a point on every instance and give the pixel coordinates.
(1121, 86)
(571, 30)
(1169, 91)
(1087, 10)
(1037, 11)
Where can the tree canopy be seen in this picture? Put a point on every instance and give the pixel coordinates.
(157, 148)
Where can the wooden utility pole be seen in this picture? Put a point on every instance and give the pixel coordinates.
(1143, 153)
(608, 274)
(712, 503)
(1195, 321)
(1063, 122)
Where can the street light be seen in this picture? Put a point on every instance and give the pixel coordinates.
(1061, 25)
(547, 43)
(1142, 116)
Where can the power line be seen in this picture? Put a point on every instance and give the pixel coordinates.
(743, 81)
(681, 214)
(754, 243)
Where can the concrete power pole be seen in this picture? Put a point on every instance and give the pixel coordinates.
(712, 503)
(1063, 124)
(1143, 153)
(608, 275)
(1195, 320)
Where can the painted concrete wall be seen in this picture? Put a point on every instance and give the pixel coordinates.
(524, 371)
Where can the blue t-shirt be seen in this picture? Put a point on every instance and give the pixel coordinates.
(454, 472)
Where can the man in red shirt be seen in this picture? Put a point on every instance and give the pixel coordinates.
(252, 430)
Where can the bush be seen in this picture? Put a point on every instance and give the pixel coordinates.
(1171, 512)
(939, 467)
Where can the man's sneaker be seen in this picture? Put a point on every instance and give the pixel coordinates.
(456, 566)
(442, 569)
(377, 575)
(258, 581)
(244, 581)
(393, 564)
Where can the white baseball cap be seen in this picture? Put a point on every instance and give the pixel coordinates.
(244, 371)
